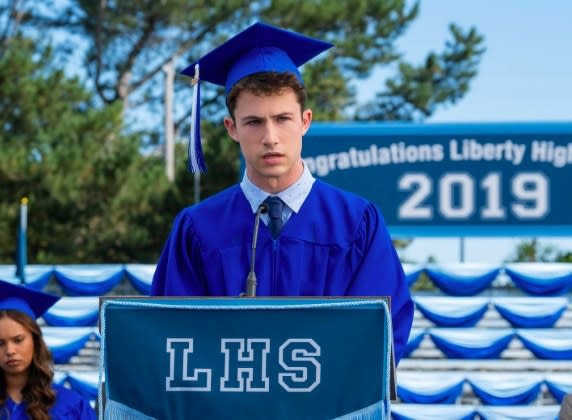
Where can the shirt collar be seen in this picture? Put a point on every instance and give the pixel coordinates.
(293, 196)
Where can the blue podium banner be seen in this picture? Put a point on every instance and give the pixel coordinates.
(494, 179)
(246, 358)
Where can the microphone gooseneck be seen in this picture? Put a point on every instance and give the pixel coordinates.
(251, 279)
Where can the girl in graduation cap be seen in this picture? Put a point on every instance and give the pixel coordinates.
(26, 387)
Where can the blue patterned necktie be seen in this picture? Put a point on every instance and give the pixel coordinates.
(275, 206)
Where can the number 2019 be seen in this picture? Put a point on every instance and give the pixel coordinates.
(529, 189)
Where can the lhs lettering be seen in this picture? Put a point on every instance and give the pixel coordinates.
(245, 365)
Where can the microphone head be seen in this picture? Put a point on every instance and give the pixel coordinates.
(263, 208)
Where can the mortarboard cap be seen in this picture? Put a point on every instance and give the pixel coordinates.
(259, 48)
(33, 303)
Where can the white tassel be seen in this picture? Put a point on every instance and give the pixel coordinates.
(196, 159)
(377, 411)
(118, 411)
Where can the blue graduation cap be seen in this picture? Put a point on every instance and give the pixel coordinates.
(259, 48)
(33, 303)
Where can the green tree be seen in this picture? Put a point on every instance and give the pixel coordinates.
(417, 91)
(564, 256)
(57, 149)
(87, 149)
(130, 42)
(534, 251)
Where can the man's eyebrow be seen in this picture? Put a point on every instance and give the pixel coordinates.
(251, 117)
(258, 117)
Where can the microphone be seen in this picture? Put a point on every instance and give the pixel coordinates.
(251, 279)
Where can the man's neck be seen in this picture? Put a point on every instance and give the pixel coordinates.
(274, 185)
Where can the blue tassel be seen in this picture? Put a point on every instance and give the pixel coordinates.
(196, 161)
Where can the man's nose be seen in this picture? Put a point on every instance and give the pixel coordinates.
(270, 134)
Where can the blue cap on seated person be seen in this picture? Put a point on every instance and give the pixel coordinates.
(259, 48)
(19, 298)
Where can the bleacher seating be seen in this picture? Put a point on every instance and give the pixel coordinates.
(490, 342)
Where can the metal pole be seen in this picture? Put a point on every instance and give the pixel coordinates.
(22, 246)
(462, 248)
(169, 70)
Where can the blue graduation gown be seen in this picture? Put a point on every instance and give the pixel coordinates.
(336, 245)
(69, 405)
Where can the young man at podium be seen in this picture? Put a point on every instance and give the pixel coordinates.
(314, 239)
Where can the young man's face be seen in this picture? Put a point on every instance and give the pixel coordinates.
(269, 130)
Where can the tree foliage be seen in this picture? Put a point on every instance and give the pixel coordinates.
(85, 145)
(92, 194)
(417, 91)
(128, 43)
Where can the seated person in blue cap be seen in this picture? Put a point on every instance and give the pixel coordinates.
(315, 240)
(26, 387)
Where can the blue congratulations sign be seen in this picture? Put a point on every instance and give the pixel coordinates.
(460, 179)
(237, 358)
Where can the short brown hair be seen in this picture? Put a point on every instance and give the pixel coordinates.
(266, 83)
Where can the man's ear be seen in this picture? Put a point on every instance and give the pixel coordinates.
(306, 120)
(231, 128)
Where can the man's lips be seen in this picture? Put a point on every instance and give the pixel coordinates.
(272, 157)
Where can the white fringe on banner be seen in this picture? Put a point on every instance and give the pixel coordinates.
(377, 411)
(118, 411)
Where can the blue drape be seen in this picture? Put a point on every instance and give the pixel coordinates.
(85, 383)
(429, 387)
(452, 311)
(541, 279)
(141, 276)
(37, 276)
(66, 342)
(513, 389)
(462, 279)
(412, 272)
(72, 311)
(415, 337)
(432, 412)
(559, 385)
(530, 312)
(88, 279)
(468, 412)
(523, 412)
(553, 344)
(468, 343)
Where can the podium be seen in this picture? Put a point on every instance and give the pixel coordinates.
(245, 358)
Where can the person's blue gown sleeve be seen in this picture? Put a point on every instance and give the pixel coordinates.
(176, 273)
(70, 405)
(379, 272)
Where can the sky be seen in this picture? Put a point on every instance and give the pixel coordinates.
(525, 75)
